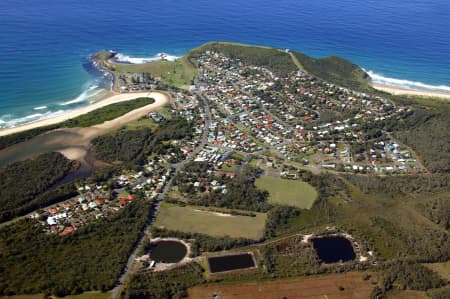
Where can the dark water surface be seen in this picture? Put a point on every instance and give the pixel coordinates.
(45, 43)
(167, 251)
(333, 249)
(230, 262)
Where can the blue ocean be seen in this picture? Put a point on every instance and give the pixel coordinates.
(45, 44)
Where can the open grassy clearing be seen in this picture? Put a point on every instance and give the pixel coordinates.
(336, 286)
(144, 122)
(166, 113)
(255, 162)
(443, 269)
(229, 168)
(193, 219)
(288, 192)
(174, 193)
(178, 73)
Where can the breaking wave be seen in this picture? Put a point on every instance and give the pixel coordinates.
(119, 57)
(84, 96)
(7, 121)
(43, 112)
(407, 84)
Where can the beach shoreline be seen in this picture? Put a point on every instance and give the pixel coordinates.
(394, 90)
(160, 98)
(75, 143)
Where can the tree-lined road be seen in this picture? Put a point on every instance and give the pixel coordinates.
(177, 167)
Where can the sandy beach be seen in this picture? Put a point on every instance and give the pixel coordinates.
(160, 100)
(404, 91)
(74, 143)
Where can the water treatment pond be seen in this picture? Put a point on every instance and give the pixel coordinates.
(230, 262)
(167, 251)
(333, 249)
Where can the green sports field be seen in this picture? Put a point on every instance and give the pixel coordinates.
(288, 192)
(195, 219)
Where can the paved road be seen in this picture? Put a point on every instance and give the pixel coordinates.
(177, 167)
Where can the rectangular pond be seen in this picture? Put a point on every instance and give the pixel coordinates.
(226, 263)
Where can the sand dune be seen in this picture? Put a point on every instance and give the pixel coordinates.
(74, 143)
(160, 100)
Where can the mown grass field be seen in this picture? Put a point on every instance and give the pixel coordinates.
(195, 219)
(288, 192)
(347, 285)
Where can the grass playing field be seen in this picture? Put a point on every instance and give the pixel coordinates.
(201, 220)
(288, 192)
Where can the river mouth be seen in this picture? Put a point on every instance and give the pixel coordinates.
(333, 249)
(227, 263)
(167, 252)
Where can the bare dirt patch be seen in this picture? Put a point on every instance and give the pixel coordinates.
(406, 294)
(333, 286)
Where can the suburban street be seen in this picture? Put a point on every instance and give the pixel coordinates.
(177, 167)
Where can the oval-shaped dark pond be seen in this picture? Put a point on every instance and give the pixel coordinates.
(230, 262)
(333, 249)
(167, 251)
